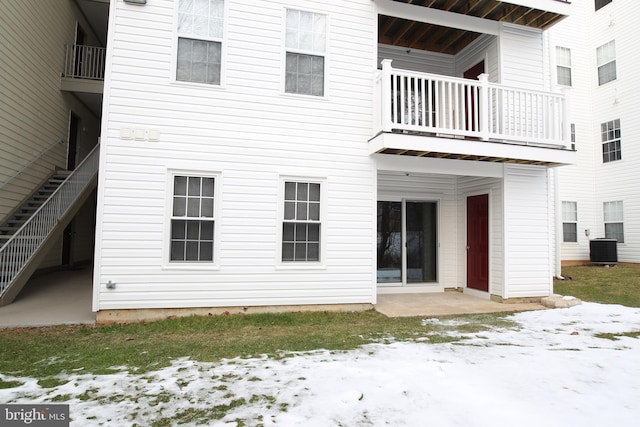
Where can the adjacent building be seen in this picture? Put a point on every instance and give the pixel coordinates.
(594, 57)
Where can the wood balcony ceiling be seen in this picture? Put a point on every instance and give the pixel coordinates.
(435, 38)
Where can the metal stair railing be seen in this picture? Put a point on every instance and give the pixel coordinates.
(16, 253)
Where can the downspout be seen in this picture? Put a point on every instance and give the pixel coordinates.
(558, 220)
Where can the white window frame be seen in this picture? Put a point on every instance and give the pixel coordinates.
(612, 126)
(303, 265)
(613, 213)
(569, 216)
(609, 49)
(166, 253)
(323, 53)
(223, 49)
(563, 65)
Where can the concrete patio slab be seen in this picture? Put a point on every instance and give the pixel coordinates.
(57, 298)
(443, 304)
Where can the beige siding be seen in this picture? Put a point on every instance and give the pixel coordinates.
(34, 113)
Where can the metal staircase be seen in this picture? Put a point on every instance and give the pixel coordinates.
(30, 232)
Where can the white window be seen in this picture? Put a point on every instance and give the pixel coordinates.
(563, 65)
(606, 56)
(613, 221)
(301, 223)
(200, 33)
(569, 221)
(611, 142)
(305, 43)
(192, 219)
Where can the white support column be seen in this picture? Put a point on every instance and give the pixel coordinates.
(386, 102)
(566, 119)
(484, 106)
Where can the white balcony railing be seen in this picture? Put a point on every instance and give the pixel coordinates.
(84, 62)
(434, 104)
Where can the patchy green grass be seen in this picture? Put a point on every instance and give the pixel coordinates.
(46, 352)
(608, 285)
(616, 337)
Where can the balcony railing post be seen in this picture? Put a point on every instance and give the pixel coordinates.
(565, 105)
(386, 95)
(485, 114)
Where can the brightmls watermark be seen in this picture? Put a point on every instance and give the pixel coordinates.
(34, 415)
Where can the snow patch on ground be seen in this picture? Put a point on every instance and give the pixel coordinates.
(553, 371)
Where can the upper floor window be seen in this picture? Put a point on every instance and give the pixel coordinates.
(613, 221)
(569, 221)
(301, 222)
(200, 33)
(611, 145)
(305, 43)
(192, 219)
(602, 3)
(606, 56)
(563, 65)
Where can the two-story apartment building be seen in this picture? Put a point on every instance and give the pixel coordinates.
(299, 153)
(594, 54)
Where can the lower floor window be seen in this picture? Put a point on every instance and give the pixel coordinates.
(613, 221)
(192, 219)
(301, 225)
(569, 222)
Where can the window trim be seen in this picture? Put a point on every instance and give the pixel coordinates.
(616, 221)
(598, 65)
(611, 141)
(325, 54)
(302, 265)
(223, 50)
(565, 221)
(167, 264)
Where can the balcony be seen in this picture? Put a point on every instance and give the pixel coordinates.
(83, 69)
(429, 115)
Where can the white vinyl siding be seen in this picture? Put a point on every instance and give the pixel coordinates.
(606, 59)
(521, 57)
(614, 220)
(305, 42)
(569, 222)
(251, 137)
(527, 232)
(563, 66)
(200, 31)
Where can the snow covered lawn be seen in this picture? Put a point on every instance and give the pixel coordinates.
(554, 369)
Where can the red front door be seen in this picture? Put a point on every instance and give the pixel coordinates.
(478, 242)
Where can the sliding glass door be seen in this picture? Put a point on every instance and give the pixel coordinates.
(407, 242)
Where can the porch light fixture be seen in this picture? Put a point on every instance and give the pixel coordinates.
(138, 2)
